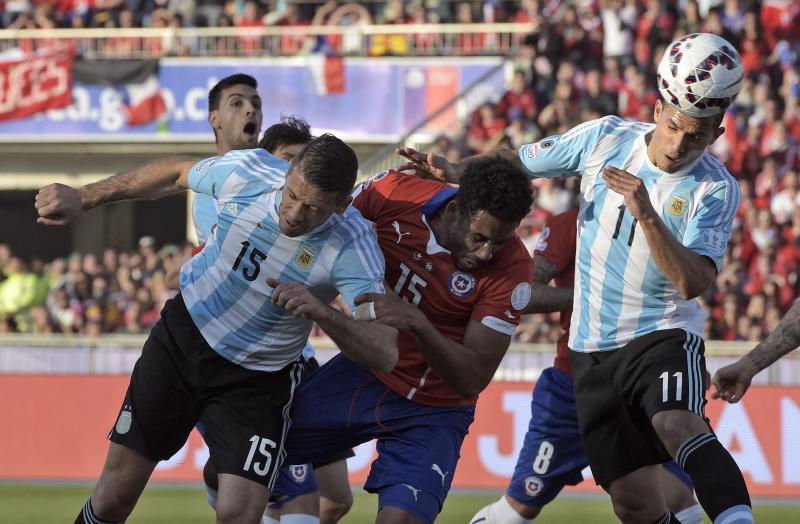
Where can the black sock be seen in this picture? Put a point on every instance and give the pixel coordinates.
(87, 516)
(717, 480)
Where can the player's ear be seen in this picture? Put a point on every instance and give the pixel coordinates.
(212, 119)
(659, 106)
(342, 204)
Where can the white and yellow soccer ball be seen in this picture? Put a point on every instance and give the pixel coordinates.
(700, 74)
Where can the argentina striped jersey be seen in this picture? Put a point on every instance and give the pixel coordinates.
(620, 292)
(224, 286)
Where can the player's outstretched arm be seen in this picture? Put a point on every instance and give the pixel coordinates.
(434, 166)
(370, 344)
(544, 298)
(57, 204)
(731, 382)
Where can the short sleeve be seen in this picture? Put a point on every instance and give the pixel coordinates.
(372, 194)
(359, 267)
(506, 295)
(562, 155)
(206, 175)
(709, 229)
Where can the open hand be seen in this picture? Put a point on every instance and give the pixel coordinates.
(428, 166)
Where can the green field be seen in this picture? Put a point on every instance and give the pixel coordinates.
(46, 504)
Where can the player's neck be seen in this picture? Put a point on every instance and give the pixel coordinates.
(438, 225)
(650, 153)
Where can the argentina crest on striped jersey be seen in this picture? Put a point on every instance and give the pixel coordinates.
(621, 293)
(225, 286)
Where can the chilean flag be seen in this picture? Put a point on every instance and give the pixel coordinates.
(135, 80)
(143, 102)
(327, 69)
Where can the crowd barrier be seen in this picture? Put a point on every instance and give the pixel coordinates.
(56, 427)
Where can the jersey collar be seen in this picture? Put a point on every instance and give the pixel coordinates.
(429, 209)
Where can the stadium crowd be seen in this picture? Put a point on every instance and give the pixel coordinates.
(582, 60)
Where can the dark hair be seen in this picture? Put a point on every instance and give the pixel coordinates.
(289, 131)
(215, 94)
(495, 185)
(328, 164)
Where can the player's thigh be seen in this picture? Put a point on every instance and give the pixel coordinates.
(416, 463)
(240, 500)
(617, 436)
(247, 416)
(325, 426)
(666, 372)
(160, 405)
(552, 453)
(333, 482)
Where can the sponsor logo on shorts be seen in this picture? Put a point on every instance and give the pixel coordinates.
(533, 486)
(677, 206)
(521, 296)
(461, 284)
(439, 471)
(299, 472)
(414, 490)
(124, 421)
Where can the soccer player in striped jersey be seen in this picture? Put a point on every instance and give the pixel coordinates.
(226, 350)
(552, 453)
(656, 211)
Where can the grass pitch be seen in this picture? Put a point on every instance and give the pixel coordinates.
(46, 503)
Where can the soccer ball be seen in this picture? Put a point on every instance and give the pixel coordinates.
(700, 74)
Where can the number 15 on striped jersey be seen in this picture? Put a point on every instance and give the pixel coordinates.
(256, 258)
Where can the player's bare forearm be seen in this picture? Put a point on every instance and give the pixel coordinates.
(153, 180)
(370, 344)
(781, 340)
(467, 367)
(548, 299)
(689, 272)
(544, 298)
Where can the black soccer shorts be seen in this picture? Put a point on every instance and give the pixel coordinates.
(179, 380)
(618, 392)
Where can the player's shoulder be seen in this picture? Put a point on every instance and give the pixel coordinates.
(512, 260)
(257, 161)
(713, 174)
(567, 218)
(351, 227)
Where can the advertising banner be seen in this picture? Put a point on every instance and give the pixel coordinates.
(381, 98)
(57, 424)
(35, 83)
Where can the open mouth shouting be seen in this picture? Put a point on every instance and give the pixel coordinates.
(250, 131)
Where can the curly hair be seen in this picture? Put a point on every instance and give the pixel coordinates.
(495, 185)
(290, 130)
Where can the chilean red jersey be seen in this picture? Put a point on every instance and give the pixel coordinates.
(422, 272)
(557, 244)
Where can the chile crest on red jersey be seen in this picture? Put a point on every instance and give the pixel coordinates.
(461, 284)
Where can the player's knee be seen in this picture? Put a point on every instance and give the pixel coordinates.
(331, 511)
(231, 510)
(674, 427)
(629, 507)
